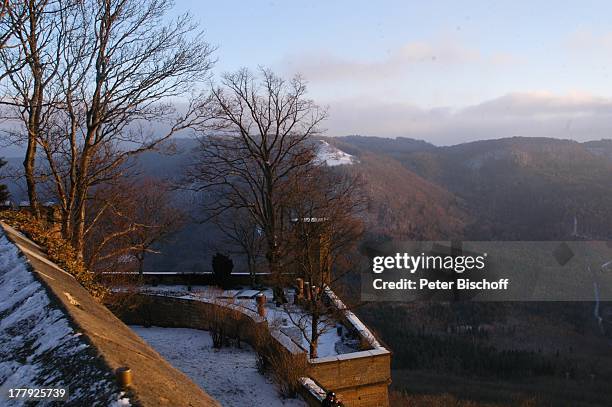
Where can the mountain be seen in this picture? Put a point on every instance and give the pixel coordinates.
(505, 189)
(333, 156)
(403, 205)
(520, 188)
(600, 147)
(395, 147)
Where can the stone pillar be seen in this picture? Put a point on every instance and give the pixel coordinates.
(307, 292)
(315, 291)
(124, 377)
(261, 304)
(299, 284)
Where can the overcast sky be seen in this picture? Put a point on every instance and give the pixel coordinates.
(443, 71)
(446, 72)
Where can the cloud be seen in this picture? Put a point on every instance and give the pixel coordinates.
(584, 40)
(542, 105)
(325, 66)
(531, 114)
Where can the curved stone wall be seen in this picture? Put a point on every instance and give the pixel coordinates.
(360, 378)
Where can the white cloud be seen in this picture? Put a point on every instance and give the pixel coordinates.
(575, 116)
(542, 105)
(585, 40)
(446, 53)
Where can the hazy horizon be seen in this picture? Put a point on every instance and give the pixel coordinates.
(444, 73)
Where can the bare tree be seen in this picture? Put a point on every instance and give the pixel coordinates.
(121, 68)
(7, 28)
(161, 219)
(30, 64)
(11, 17)
(258, 135)
(4, 19)
(242, 233)
(132, 221)
(140, 62)
(325, 227)
(4, 193)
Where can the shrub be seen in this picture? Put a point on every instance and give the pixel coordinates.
(219, 321)
(286, 368)
(58, 249)
(222, 270)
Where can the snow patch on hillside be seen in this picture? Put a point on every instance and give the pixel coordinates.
(333, 156)
(38, 346)
(228, 374)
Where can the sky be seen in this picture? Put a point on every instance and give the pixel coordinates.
(443, 71)
(447, 72)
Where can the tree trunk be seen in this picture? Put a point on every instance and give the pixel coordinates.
(66, 225)
(29, 168)
(251, 265)
(34, 107)
(140, 259)
(78, 234)
(277, 290)
(314, 334)
(78, 237)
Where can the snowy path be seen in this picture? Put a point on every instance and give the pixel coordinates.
(230, 375)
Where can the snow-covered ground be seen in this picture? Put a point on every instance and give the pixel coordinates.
(289, 320)
(228, 374)
(333, 156)
(38, 346)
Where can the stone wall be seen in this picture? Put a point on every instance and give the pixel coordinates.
(155, 381)
(360, 378)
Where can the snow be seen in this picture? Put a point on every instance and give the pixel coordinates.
(313, 388)
(228, 294)
(290, 320)
(287, 321)
(352, 318)
(177, 289)
(248, 294)
(122, 402)
(38, 346)
(333, 156)
(229, 374)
